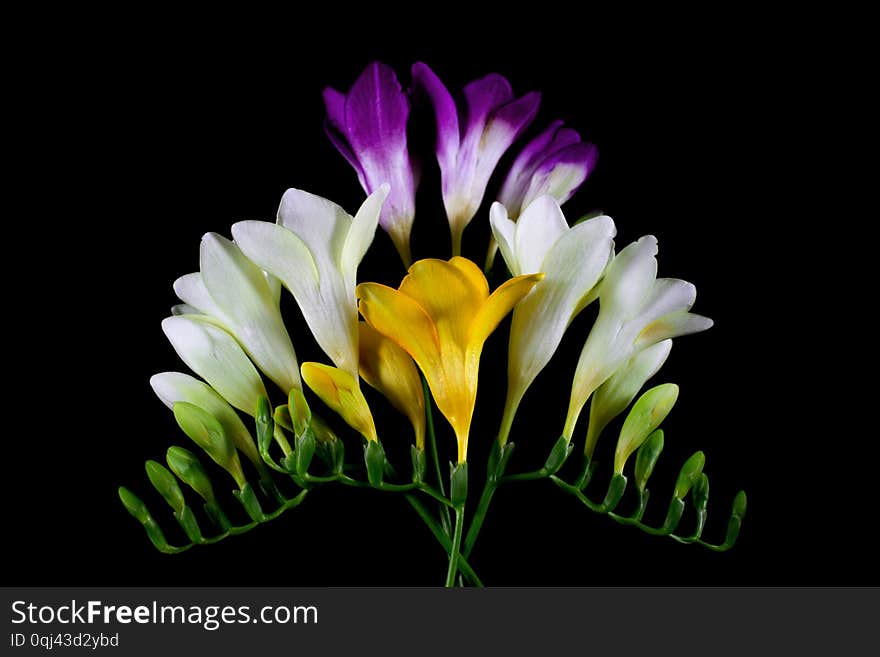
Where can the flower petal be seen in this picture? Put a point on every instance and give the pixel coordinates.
(504, 231)
(248, 308)
(215, 356)
(385, 366)
(191, 289)
(562, 173)
(321, 224)
(537, 229)
(499, 303)
(360, 236)
(400, 318)
(376, 111)
(673, 326)
(171, 387)
(630, 278)
(617, 392)
(341, 392)
(445, 114)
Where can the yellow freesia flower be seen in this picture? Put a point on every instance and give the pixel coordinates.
(342, 393)
(390, 370)
(441, 315)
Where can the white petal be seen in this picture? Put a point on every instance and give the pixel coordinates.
(630, 278)
(321, 224)
(215, 356)
(537, 229)
(560, 182)
(274, 287)
(191, 289)
(242, 294)
(184, 309)
(279, 252)
(617, 392)
(360, 236)
(173, 387)
(504, 230)
(672, 326)
(667, 295)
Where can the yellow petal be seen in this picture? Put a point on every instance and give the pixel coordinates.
(473, 273)
(385, 366)
(341, 392)
(400, 318)
(499, 304)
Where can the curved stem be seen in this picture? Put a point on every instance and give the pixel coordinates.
(456, 546)
(443, 539)
(445, 519)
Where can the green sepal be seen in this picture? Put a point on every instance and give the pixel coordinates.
(499, 456)
(458, 484)
(282, 418)
(586, 475)
(139, 511)
(190, 471)
(736, 518)
(673, 515)
(305, 450)
(217, 516)
(187, 521)
(249, 501)
(265, 426)
(419, 463)
(299, 412)
(374, 458)
(270, 489)
(688, 473)
(558, 455)
(166, 484)
(646, 458)
(616, 489)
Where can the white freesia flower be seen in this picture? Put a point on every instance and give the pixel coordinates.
(232, 292)
(636, 310)
(214, 355)
(613, 396)
(314, 250)
(572, 260)
(172, 387)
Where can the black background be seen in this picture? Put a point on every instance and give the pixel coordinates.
(146, 136)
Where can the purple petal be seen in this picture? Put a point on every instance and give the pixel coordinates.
(445, 114)
(583, 153)
(334, 127)
(376, 111)
(334, 102)
(518, 114)
(482, 97)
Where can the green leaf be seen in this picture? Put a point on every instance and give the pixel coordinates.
(166, 483)
(646, 415)
(187, 467)
(689, 472)
(647, 457)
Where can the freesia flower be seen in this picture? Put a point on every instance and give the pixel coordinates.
(315, 250)
(214, 355)
(572, 260)
(556, 162)
(441, 315)
(368, 127)
(232, 292)
(613, 396)
(342, 393)
(471, 138)
(172, 387)
(390, 370)
(636, 310)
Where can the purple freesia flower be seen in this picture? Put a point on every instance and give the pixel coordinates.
(471, 138)
(368, 126)
(556, 163)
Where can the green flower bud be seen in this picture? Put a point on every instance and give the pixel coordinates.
(647, 457)
(189, 470)
(207, 433)
(689, 471)
(374, 457)
(166, 483)
(299, 411)
(646, 415)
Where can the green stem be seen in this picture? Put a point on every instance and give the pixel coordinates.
(443, 539)
(479, 516)
(445, 519)
(456, 546)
